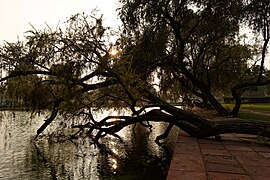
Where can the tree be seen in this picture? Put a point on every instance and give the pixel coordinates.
(161, 39)
(257, 17)
(63, 62)
(193, 31)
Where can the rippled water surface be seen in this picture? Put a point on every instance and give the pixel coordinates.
(51, 156)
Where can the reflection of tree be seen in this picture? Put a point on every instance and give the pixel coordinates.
(141, 159)
(64, 160)
(50, 165)
(144, 159)
(50, 157)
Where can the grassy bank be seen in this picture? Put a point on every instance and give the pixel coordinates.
(260, 111)
(259, 106)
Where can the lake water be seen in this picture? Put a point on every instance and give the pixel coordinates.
(51, 156)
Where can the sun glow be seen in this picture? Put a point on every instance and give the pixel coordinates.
(114, 52)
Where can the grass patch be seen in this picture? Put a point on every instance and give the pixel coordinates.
(257, 106)
(251, 116)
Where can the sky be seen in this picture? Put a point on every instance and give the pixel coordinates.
(17, 15)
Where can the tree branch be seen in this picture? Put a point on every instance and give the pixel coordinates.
(24, 73)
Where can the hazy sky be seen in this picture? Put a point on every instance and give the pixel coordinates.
(15, 15)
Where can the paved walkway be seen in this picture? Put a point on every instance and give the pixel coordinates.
(237, 157)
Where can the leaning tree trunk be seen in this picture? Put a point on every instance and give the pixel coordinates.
(266, 41)
(213, 101)
(201, 127)
(205, 91)
(192, 124)
(238, 101)
(238, 90)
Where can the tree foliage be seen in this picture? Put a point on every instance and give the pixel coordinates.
(198, 41)
(166, 50)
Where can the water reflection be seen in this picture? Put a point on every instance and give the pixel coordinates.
(137, 157)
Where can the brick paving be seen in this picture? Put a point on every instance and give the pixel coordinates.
(236, 157)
